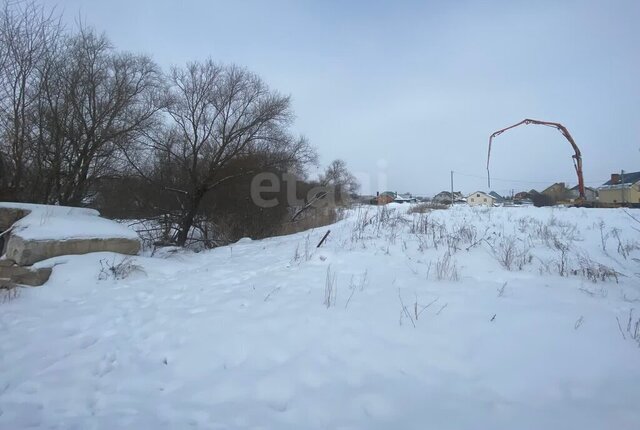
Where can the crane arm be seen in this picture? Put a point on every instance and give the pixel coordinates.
(577, 157)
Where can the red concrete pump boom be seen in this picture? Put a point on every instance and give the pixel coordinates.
(577, 157)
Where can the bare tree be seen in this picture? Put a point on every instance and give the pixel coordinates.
(78, 117)
(338, 176)
(218, 114)
(97, 103)
(27, 32)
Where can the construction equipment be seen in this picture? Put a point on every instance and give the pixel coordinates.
(577, 157)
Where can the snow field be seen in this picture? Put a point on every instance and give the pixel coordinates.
(279, 334)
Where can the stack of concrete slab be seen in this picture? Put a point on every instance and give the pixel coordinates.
(31, 234)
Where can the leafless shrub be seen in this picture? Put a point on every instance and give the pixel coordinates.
(119, 270)
(154, 232)
(296, 254)
(632, 328)
(439, 235)
(563, 263)
(423, 242)
(569, 232)
(387, 219)
(313, 218)
(303, 254)
(477, 239)
(546, 265)
(383, 216)
(418, 309)
(636, 219)
(467, 233)
(502, 289)
(603, 236)
(362, 220)
(528, 224)
(510, 254)
(404, 311)
(459, 235)
(354, 286)
(391, 237)
(431, 233)
(442, 308)
(330, 289)
(486, 210)
(413, 313)
(601, 291)
(386, 222)
(307, 250)
(446, 268)
(544, 233)
(420, 224)
(275, 290)
(625, 247)
(594, 271)
(426, 207)
(554, 231)
(161, 231)
(8, 294)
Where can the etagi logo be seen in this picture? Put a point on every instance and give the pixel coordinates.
(267, 182)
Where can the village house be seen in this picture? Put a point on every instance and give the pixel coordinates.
(591, 194)
(384, 198)
(498, 197)
(622, 188)
(392, 196)
(525, 195)
(480, 198)
(405, 198)
(445, 197)
(557, 192)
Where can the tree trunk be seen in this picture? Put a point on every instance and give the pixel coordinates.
(187, 219)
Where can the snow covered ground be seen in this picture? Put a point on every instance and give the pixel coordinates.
(503, 318)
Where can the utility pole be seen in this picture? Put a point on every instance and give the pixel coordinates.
(452, 187)
(622, 185)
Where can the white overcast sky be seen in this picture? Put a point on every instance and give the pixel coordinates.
(407, 91)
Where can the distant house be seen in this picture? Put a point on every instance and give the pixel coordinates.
(392, 196)
(621, 188)
(445, 197)
(385, 197)
(497, 197)
(405, 198)
(525, 195)
(557, 192)
(480, 198)
(591, 194)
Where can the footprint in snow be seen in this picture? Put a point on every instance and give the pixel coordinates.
(88, 342)
(106, 365)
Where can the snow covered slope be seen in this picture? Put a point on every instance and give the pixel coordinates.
(504, 318)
